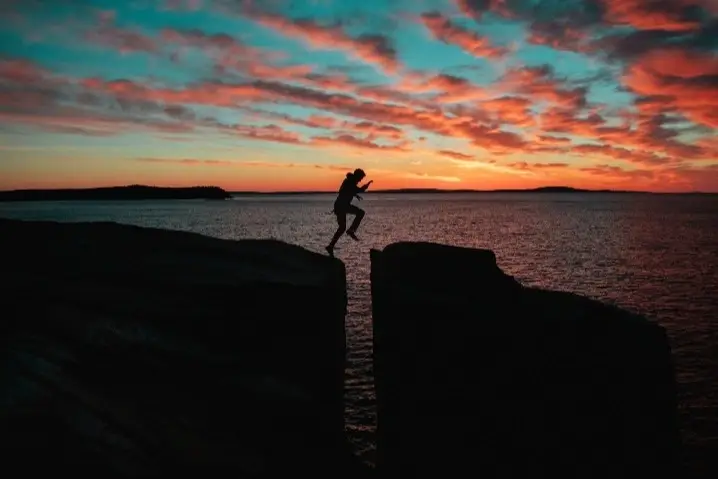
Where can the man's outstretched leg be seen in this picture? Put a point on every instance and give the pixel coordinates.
(358, 216)
(341, 227)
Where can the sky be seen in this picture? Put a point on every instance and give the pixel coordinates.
(289, 95)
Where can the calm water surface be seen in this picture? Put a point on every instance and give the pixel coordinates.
(654, 254)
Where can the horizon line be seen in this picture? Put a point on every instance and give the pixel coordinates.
(418, 190)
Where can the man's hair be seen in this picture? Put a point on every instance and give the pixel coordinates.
(359, 172)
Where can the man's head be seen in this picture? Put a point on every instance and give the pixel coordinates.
(359, 174)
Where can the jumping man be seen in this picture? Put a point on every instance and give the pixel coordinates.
(350, 188)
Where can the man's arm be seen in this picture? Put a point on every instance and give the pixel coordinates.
(363, 188)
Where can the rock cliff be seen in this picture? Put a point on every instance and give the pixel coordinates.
(134, 352)
(475, 372)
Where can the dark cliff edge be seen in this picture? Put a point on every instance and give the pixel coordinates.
(136, 352)
(475, 372)
(132, 192)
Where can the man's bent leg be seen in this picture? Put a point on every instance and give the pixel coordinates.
(358, 216)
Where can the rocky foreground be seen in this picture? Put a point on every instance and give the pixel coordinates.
(477, 372)
(135, 352)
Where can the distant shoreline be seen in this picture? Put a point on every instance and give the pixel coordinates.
(548, 189)
(142, 192)
(125, 193)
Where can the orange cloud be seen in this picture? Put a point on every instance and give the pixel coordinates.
(456, 155)
(619, 153)
(440, 178)
(374, 130)
(21, 71)
(684, 80)
(476, 8)
(271, 133)
(559, 36)
(651, 15)
(553, 140)
(448, 32)
(372, 48)
(612, 171)
(219, 94)
(82, 122)
(429, 120)
(121, 39)
(522, 165)
(277, 164)
(186, 161)
(510, 109)
(230, 53)
(198, 39)
(539, 84)
(354, 142)
(451, 87)
(26, 87)
(680, 63)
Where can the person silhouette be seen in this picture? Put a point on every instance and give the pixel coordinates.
(343, 205)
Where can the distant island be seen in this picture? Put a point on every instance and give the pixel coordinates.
(132, 192)
(142, 192)
(543, 189)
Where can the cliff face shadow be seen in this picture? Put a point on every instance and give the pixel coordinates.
(476, 372)
(138, 352)
(134, 352)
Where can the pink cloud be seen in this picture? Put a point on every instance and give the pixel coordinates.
(612, 171)
(186, 161)
(450, 88)
(560, 36)
(476, 8)
(538, 82)
(427, 176)
(22, 71)
(553, 140)
(355, 142)
(510, 109)
(216, 94)
(321, 121)
(619, 153)
(273, 164)
(668, 15)
(272, 133)
(456, 155)
(372, 48)
(123, 40)
(446, 31)
(91, 123)
(684, 81)
(525, 166)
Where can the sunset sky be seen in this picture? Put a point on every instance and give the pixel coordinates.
(289, 95)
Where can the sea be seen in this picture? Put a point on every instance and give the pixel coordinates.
(653, 254)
